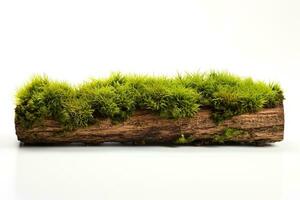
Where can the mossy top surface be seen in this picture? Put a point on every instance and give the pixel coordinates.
(118, 96)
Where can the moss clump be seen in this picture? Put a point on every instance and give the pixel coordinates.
(228, 95)
(42, 98)
(118, 96)
(227, 135)
(184, 140)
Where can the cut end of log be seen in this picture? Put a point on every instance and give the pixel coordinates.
(145, 128)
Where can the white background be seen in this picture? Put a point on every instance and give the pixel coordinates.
(75, 40)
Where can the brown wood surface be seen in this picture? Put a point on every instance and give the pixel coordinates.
(143, 127)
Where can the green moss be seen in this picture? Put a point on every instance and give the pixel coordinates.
(183, 140)
(42, 98)
(118, 96)
(228, 95)
(227, 135)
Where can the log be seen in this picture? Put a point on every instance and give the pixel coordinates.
(143, 127)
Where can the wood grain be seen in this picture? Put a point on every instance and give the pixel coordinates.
(143, 127)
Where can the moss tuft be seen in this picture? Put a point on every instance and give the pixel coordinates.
(229, 95)
(227, 135)
(118, 96)
(183, 140)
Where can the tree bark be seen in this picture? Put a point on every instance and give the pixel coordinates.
(143, 127)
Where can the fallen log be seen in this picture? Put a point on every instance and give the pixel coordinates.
(210, 108)
(144, 127)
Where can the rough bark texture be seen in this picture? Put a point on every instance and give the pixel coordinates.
(145, 128)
